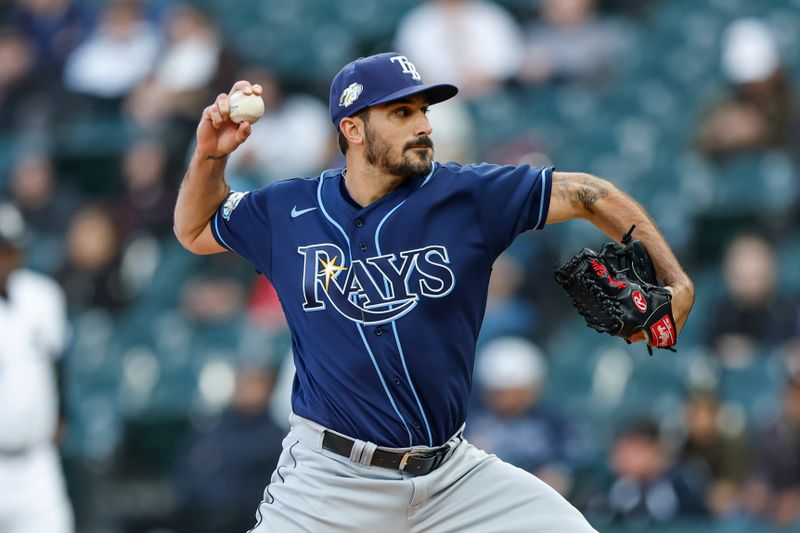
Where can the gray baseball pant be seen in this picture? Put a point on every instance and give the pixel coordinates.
(317, 491)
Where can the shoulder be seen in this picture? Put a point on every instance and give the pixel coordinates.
(478, 171)
(36, 286)
(282, 190)
(302, 185)
(470, 170)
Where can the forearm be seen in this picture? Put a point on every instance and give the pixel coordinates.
(614, 215)
(576, 195)
(202, 191)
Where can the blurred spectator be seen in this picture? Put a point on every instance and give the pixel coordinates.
(774, 492)
(757, 112)
(194, 63)
(572, 43)
(55, 28)
(17, 60)
(91, 274)
(192, 55)
(293, 138)
(264, 307)
(753, 313)
(119, 54)
(186, 72)
(455, 132)
(46, 205)
(474, 44)
(646, 488)
(33, 329)
(228, 464)
(145, 206)
(513, 424)
(711, 454)
(507, 312)
(211, 298)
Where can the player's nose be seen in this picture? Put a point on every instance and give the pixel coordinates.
(423, 126)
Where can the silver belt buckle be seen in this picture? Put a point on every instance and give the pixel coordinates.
(408, 455)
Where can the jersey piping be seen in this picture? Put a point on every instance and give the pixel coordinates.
(541, 200)
(358, 326)
(394, 322)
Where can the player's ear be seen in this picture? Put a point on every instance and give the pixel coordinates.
(352, 128)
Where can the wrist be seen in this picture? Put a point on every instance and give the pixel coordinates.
(212, 157)
(686, 286)
(208, 153)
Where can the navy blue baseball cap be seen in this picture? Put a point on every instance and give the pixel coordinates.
(378, 79)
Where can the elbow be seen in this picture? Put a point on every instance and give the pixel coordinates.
(183, 238)
(187, 240)
(199, 242)
(689, 287)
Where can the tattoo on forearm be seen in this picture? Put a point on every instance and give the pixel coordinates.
(588, 196)
(583, 190)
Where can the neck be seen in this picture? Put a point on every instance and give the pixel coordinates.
(366, 184)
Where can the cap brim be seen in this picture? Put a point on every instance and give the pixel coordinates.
(436, 93)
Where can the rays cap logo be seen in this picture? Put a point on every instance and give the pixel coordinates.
(379, 79)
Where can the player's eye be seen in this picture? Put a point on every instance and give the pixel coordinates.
(425, 110)
(402, 111)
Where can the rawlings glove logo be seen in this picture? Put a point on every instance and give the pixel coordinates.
(639, 301)
(602, 272)
(662, 333)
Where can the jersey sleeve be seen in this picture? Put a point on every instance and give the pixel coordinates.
(511, 200)
(241, 224)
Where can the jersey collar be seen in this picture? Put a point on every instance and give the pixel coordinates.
(341, 206)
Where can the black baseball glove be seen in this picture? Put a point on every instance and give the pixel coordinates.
(617, 292)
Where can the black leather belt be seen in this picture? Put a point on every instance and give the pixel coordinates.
(413, 462)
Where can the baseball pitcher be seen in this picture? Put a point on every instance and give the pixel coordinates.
(382, 270)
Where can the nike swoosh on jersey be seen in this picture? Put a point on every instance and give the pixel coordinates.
(296, 213)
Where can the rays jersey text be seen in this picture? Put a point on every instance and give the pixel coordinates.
(375, 290)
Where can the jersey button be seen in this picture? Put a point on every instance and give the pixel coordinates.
(378, 331)
(417, 424)
(397, 381)
(359, 223)
(363, 246)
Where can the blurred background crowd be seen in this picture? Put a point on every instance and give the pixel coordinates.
(174, 370)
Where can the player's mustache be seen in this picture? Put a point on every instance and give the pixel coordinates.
(420, 142)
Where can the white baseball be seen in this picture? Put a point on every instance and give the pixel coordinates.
(245, 107)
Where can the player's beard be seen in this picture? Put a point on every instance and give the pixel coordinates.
(412, 164)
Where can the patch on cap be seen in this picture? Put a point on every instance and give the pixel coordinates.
(350, 94)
